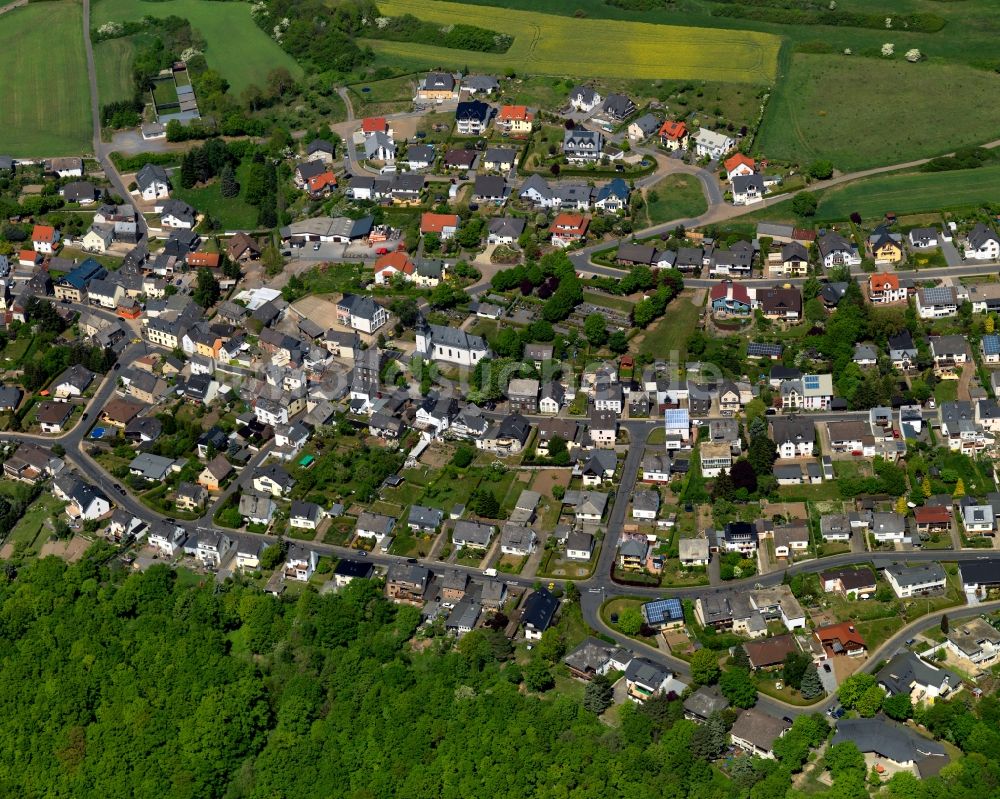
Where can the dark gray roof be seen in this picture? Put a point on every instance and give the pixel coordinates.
(893, 741)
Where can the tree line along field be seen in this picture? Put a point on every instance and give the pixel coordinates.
(240, 51)
(864, 112)
(43, 69)
(554, 45)
(912, 193)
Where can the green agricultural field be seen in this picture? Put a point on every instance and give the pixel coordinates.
(839, 108)
(46, 102)
(674, 197)
(551, 45)
(237, 48)
(113, 63)
(912, 193)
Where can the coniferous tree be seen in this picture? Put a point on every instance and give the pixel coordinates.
(229, 187)
(598, 695)
(812, 686)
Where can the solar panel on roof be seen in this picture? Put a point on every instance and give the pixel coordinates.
(811, 381)
(663, 609)
(991, 345)
(759, 348)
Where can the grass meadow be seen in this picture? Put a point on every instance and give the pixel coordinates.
(676, 197)
(550, 45)
(865, 112)
(46, 102)
(912, 193)
(113, 63)
(241, 52)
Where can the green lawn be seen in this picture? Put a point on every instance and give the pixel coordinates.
(671, 333)
(113, 63)
(46, 102)
(236, 47)
(675, 197)
(34, 527)
(233, 214)
(832, 106)
(946, 391)
(912, 193)
(608, 301)
(382, 96)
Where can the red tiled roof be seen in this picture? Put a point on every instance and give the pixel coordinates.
(673, 130)
(399, 261)
(511, 113)
(373, 124)
(883, 280)
(727, 288)
(739, 160)
(210, 259)
(931, 514)
(45, 233)
(322, 180)
(570, 223)
(435, 223)
(845, 632)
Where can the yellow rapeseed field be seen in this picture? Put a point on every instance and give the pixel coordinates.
(548, 44)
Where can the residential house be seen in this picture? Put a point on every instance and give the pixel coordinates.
(978, 520)
(515, 120)
(537, 613)
(584, 98)
(449, 344)
(582, 146)
(643, 127)
(569, 229)
(923, 237)
(517, 540)
(645, 679)
(663, 614)
(712, 145)
(892, 747)
(406, 583)
(902, 351)
(579, 546)
(835, 250)
(438, 87)
(910, 675)
(645, 505)
(770, 653)
(811, 393)
(424, 520)
(860, 582)
(884, 247)
(305, 515)
(273, 479)
(52, 417)
(729, 298)
(499, 159)
(884, 289)
(919, 580)
(603, 428)
(346, 571)
(673, 135)
(747, 189)
(443, 225)
(793, 436)
(256, 508)
(490, 189)
(505, 230)
(612, 198)
(982, 244)
(618, 107)
(475, 535)
(840, 639)
(152, 182)
(974, 640)
(215, 473)
(693, 552)
(361, 313)
(472, 117)
(594, 657)
(780, 304)
(374, 525)
(705, 701)
(936, 303)
(85, 501)
(755, 732)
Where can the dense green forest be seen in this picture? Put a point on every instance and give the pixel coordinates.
(152, 685)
